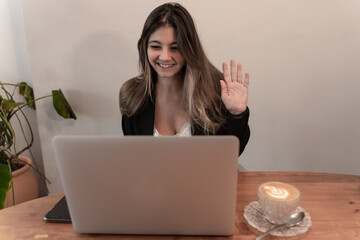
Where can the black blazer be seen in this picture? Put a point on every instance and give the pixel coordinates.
(142, 123)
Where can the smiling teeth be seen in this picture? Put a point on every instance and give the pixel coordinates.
(165, 65)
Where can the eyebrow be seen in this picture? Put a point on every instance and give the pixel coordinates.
(158, 42)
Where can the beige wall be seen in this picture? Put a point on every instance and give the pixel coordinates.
(302, 57)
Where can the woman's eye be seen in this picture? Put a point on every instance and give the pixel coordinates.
(174, 48)
(155, 47)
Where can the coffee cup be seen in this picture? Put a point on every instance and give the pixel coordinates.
(278, 201)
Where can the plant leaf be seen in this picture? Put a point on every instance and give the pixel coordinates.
(9, 105)
(61, 105)
(5, 180)
(28, 93)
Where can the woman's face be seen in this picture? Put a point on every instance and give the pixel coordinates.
(163, 52)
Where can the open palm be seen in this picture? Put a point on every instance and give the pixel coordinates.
(234, 89)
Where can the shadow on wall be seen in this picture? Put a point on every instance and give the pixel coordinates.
(97, 72)
(22, 73)
(94, 74)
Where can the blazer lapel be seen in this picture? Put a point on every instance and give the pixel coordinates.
(147, 119)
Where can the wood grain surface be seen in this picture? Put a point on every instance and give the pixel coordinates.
(333, 200)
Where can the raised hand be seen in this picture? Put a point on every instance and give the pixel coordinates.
(234, 89)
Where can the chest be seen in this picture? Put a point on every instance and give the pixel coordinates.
(170, 118)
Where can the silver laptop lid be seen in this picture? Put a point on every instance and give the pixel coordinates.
(149, 185)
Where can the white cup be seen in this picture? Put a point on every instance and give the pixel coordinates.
(278, 201)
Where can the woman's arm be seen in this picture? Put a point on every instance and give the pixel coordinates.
(238, 126)
(234, 94)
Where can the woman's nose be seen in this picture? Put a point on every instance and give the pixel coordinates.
(165, 54)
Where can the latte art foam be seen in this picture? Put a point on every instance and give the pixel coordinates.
(276, 192)
(279, 190)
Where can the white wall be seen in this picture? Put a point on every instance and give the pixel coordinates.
(14, 68)
(302, 57)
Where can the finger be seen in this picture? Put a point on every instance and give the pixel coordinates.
(223, 88)
(233, 70)
(226, 72)
(246, 82)
(239, 73)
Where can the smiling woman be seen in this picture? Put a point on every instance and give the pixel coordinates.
(179, 92)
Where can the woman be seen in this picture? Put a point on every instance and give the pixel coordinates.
(179, 92)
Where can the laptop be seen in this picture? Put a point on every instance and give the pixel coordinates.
(149, 185)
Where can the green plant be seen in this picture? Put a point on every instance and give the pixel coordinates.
(10, 109)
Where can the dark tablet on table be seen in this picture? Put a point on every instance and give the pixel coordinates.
(59, 213)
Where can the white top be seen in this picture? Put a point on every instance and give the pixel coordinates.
(185, 131)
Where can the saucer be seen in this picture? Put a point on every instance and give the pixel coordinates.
(255, 217)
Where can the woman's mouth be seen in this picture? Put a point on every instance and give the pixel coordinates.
(166, 65)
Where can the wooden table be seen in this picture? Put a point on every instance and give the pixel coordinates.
(333, 200)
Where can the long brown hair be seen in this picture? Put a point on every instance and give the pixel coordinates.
(201, 92)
